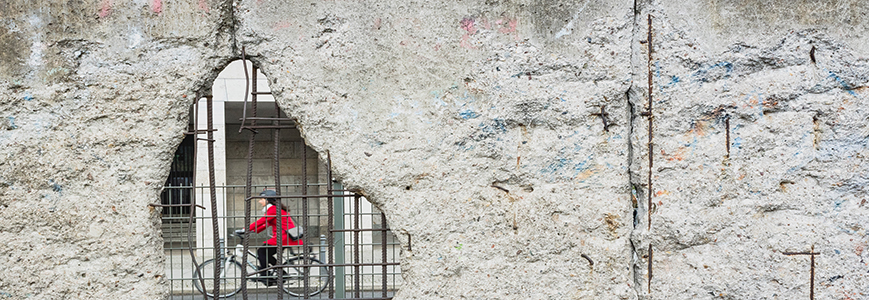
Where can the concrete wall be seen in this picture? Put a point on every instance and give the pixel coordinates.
(476, 127)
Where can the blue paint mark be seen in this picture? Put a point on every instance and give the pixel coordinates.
(28, 97)
(464, 146)
(838, 203)
(701, 73)
(737, 143)
(12, 122)
(837, 251)
(498, 126)
(657, 69)
(393, 115)
(581, 166)
(842, 83)
(555, 166)
(468, 114)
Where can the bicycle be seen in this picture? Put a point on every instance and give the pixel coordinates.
(231, 273)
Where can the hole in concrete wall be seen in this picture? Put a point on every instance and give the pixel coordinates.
(364, 257)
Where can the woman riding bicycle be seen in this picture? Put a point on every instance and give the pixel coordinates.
(267, 252)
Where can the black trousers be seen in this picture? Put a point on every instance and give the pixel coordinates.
(266, 256)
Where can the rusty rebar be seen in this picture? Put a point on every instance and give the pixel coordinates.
(248, 187)
(279, 212)
(811, 270)
(312, 265)
(212, 189)
(191, 220)
(175, 205)
(727, 134)
(246, 86)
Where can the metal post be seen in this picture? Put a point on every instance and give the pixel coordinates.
(383, 250)
(323, 270)
(330, 222)
(340, 273)
(356, 270)
(305, 270)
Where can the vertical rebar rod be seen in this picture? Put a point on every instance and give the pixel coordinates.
(212, 189)
(356, 274)
(249, 181)
(383, 250)
(191, 221)
(330, 209)
(727, 134)
(276, 162)
(306, 258)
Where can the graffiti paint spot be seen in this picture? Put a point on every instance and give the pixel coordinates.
(510, 26)
(157, 6)
(467, 24)
(105, 8)
(203, 5)
(841, 82)
(282, 25)
(10, 123)
(468, 114)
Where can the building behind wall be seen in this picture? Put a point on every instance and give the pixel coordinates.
(231, 172)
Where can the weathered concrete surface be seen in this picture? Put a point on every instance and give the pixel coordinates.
(789, 83)
(426, 107)
(473, 126)
(94, 103)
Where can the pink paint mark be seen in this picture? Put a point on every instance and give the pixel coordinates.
(105, 8)
(511, 26)
(282, 25)
(486, 24)
(467, 24)
(157, 6)
(203, 5)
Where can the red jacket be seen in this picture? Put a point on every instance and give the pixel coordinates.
(270, 220)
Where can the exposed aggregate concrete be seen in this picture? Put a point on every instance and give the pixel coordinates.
(505, 139)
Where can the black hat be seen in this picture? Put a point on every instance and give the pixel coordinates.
(268, 193)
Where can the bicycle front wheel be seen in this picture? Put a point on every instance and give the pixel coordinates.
(229, 278)
(294, 277)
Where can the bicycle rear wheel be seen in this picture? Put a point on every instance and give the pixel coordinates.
(294, 279)
(230, 278)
